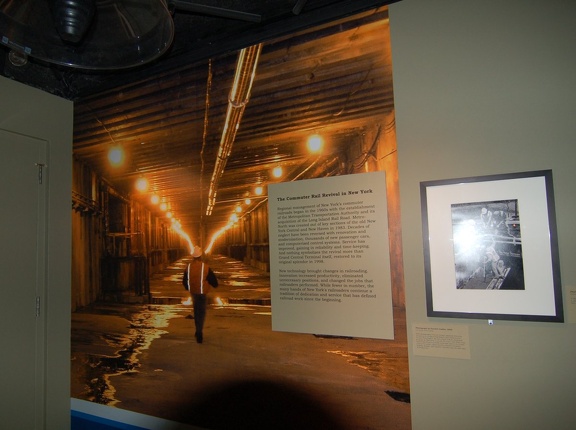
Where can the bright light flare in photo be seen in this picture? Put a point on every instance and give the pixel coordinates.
(465, 237)
(178, 229)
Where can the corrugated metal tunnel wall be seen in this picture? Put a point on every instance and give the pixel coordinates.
(118, 243)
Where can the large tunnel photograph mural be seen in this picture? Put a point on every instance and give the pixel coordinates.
(204, 198)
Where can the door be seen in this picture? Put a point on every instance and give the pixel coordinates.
(22, 280)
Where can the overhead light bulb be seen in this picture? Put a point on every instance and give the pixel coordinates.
(142, 184)
(315, 143)
(258, 191)
(155, 199)
(116, 155)
(277, 172)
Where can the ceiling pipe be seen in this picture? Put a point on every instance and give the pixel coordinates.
(214, 11)
(237, 101)
(299, 6)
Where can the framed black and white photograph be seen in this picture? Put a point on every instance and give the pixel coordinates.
(490, 247)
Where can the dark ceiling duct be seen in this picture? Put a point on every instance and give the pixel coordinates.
(237, 101)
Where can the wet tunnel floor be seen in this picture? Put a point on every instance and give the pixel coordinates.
(143, 357)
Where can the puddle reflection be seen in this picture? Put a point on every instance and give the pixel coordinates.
(382, 365)
(146, 325)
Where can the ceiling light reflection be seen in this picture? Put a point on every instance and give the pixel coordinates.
(315, 143)
(116, 155)
(142, 184)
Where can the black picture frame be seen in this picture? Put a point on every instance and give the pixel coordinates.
(491, 247)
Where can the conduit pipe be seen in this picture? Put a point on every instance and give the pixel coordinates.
(237, 101)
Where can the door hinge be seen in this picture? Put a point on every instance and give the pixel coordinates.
(38, 306)
(40, 171)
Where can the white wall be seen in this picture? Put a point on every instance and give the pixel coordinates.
(488, 87)
(34, 113)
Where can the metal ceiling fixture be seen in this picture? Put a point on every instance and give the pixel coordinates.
(87, 34)
(96, 34)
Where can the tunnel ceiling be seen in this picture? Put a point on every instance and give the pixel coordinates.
(325, 70)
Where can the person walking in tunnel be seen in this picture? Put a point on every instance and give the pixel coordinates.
(198, 278)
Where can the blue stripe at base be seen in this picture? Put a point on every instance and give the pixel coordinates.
(83, 421)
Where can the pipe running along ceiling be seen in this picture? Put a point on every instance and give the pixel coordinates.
(239, 96)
